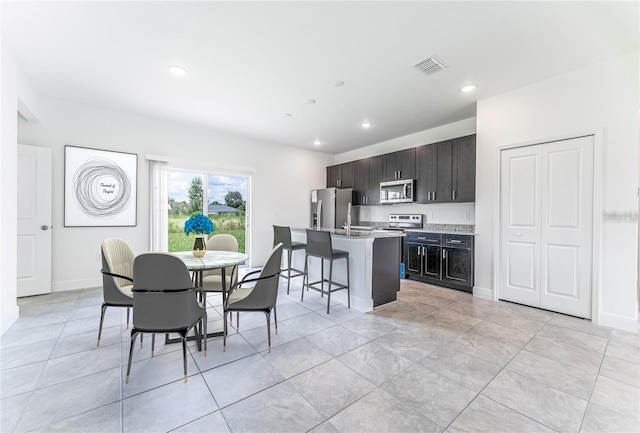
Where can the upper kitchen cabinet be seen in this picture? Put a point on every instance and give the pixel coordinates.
(340, 176)
(463, 169)
(433, 164)
(367, 174)
(399, 165)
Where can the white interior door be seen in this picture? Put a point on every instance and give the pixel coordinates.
(34, 220)
(520, 192)
(546, 211)
(567, 221)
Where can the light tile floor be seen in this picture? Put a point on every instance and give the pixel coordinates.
(436, 360)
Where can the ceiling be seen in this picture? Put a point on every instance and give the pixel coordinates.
(249, 63)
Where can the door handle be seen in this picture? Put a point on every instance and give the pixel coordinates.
(454, 195)
(44, 227)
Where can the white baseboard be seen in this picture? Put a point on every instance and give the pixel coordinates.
(629, 324)
(483, 293)
(63, 286)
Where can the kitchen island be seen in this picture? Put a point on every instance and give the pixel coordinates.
(374, 260)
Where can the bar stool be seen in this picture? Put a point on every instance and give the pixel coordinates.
(283, 235)
(319, 245)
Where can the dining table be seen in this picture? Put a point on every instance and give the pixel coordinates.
(210, 261)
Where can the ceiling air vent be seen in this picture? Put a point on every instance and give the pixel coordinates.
(430, 66)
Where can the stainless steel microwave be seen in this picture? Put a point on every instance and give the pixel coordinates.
(397, 191)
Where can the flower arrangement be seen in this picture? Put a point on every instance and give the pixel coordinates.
(198, 224)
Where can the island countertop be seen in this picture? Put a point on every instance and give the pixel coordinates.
(374, 262)
(356, 234)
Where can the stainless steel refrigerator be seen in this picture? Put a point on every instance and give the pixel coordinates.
(329, 208)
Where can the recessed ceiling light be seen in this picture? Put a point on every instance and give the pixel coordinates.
(310, 101)
(337, 83)
(468, 88)
(366, 124)
(317, 142)
(177, 70)
(287, 115)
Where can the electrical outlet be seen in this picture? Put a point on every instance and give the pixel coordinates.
(429, 216)
(467, 216)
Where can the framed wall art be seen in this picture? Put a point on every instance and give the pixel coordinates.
(99, 188)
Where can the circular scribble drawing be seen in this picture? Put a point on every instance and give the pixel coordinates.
(101, 188)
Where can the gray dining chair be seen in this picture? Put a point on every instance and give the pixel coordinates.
(319, 246)
(282, 234)
(212, 280)
(256, 294)
(164, 301)
(117, 277)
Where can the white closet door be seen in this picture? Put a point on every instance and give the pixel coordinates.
(566, 253)
(546, 211)
(520, 193)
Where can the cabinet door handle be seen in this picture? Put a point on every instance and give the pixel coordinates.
(434, 195)
(454, 195)
(444, 254)
(455, 241)
(429, 196)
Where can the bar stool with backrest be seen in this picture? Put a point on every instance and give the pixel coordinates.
(319, 245)
(283, 235)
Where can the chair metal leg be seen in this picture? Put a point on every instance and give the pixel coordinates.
(104, 310)
(153, 344)
(133, 342)
(224, 332)
(204, 332)
(275, 318)
(127, 317)
(268, 314)
(305, 278)
(183, 335)
(330, 281)
(348, 285)
(322, 278)
(289, 254)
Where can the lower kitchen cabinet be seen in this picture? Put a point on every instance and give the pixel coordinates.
(440, 259)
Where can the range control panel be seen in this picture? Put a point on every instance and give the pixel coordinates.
(406, 220)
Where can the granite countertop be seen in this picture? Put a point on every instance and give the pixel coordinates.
(448, 229)
(357, 234)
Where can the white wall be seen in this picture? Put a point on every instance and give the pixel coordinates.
(442, 213)
(602, 97)
(16, 95)
(280, 185)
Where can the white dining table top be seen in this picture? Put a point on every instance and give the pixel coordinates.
(211, 259)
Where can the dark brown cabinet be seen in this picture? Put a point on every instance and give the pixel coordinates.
(463, 169)
(366, 180)
(447, 171)
(441, 259)
(399, 165)
(340, 176)
(433, 164)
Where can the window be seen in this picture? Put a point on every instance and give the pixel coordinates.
(221, 197)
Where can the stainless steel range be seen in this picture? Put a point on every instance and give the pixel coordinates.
(405, 221)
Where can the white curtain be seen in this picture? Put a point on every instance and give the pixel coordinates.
(159, 205)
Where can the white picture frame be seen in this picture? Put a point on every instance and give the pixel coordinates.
(100, 188)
